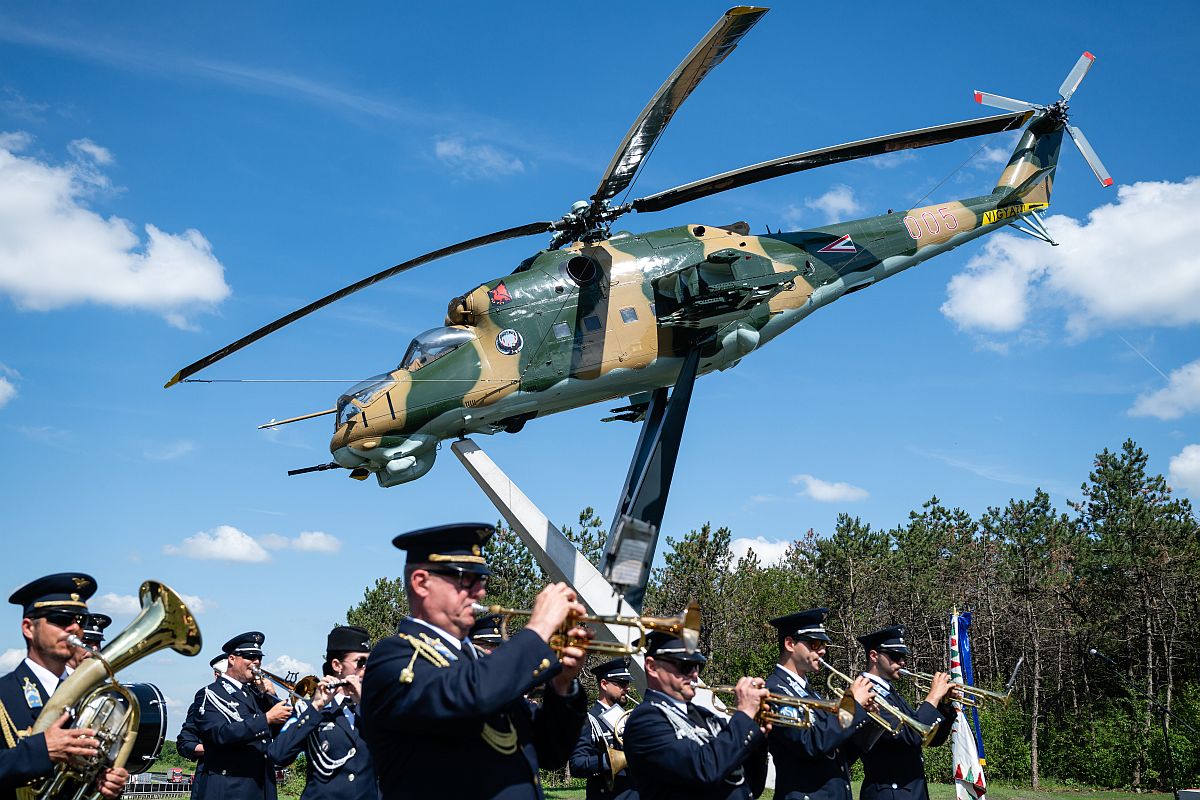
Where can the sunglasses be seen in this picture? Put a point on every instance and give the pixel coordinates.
(684, 667)
(64, 619)
(359, 662)
(467, 581)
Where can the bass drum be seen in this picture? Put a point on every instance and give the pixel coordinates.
(152, 728)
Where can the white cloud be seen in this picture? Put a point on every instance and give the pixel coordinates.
(836, 204)
(1133, 262)
(829, 492)
(284, 664)
(128, 604)
(892, 160)
(7, 391)
(1180, 396)
(1184, 471)
(317, 542)
(113, 603)
(87, 149)
(10, 658)
(307, 541)
(169, 451)
(56, 252)
(767, 552)
(476, 160)
(222, 543)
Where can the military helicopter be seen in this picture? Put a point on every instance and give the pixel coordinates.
(597, 315)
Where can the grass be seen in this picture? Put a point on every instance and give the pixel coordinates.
(944, 791)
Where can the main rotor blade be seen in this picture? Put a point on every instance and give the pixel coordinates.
(1000, 101)
(1089, 155)
(489, 238)
(711, 51)
(909, 140)
(1075, 76)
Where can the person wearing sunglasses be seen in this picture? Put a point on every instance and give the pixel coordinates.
(812, 763)
(893, 766)
(441, 718)
(54, 607)
(680, 750)
(92, 635)
(590, 759)
(328, 728)
(236, 721)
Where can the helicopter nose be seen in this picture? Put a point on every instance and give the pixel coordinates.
(348, 459)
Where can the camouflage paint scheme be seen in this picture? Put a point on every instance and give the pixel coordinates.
(636, 305)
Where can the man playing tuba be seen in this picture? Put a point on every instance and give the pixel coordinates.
(54, 607)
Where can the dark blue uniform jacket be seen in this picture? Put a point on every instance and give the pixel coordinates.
(232, 724)
(441, 723)
(589, 760)
(811, 763)
(27, 758)
(894, 766)
(189, 739)
(337, 759)
(672, 757)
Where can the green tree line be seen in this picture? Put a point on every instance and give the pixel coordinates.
(1118, 570)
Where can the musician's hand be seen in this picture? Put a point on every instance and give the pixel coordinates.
(323, 692)
(279, 714)
(572, 659)
(111, 782)
(353, 688)
(266, 686)
(551, 608)
(748, 696)
(939, 687)
(62, 742)
(198, 751)
(863, 690)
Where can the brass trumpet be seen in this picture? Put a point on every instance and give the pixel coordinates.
(971, 696)
(302, 689)
(686, 626)
(893, 727)
(774, 705)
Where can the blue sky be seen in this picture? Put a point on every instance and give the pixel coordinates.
(171, 179)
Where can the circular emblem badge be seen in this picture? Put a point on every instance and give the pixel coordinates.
(509, 342)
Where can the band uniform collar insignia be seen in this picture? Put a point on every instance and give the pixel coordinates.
(33, 697)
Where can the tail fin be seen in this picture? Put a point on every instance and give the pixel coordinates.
(1030, 170)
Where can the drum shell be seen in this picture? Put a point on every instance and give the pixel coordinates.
(152, 728)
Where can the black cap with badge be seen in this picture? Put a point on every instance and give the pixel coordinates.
(671, 648)
(62, 591)
(615, 670)
(247, 645)
(93, 628)
(487, 630)
(886, 640)
(808, 624)
(347, 639)
(458, 546)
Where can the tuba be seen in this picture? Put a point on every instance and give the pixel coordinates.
(95, 699)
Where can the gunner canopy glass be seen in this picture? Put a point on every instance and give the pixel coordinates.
(359, 397)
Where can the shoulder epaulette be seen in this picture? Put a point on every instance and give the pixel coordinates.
(423, 647)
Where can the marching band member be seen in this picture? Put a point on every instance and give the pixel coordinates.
(677, 749)
(188, 743)
(894, 767)
(811, 763)
(92, 635)
(54, 607)
(328, 728)
(441, 719)
(590, 757)
(234, 722)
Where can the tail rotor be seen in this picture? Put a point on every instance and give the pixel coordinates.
(1058, 112)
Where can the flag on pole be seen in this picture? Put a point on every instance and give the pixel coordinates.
(969, 782)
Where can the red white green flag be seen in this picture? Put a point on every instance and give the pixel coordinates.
(969, 782)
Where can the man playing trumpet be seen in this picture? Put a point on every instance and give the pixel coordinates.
(328, 728)
(598, 742)
(679, 750)
(441, 719)
(812, 763)
(894, 767)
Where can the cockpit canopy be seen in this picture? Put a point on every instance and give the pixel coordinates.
(432, 345)
(360, 396)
